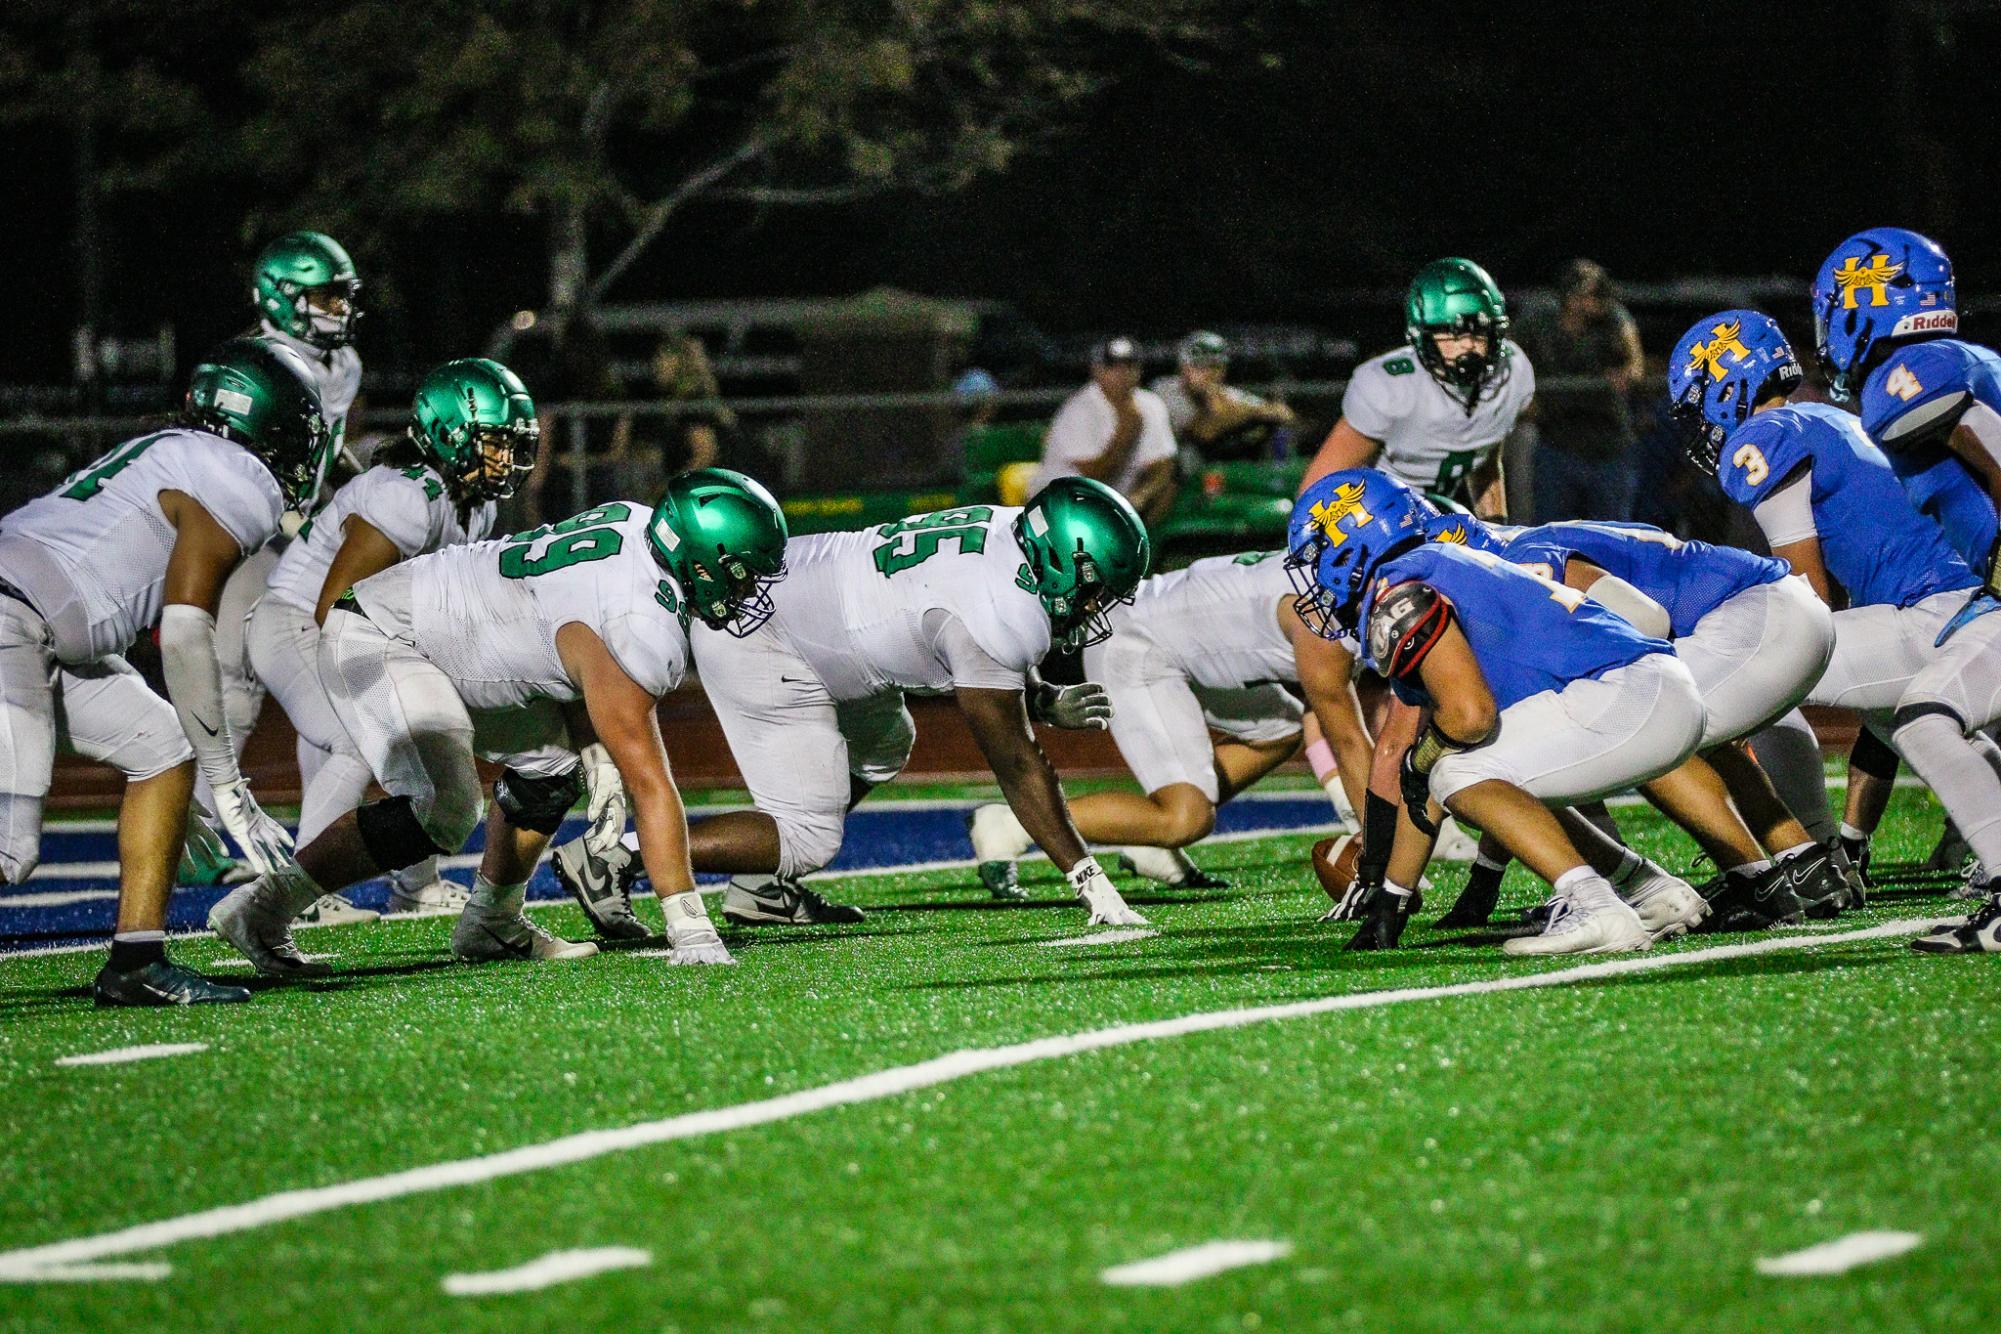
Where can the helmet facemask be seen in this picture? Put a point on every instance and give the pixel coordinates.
(1472, 375)
(497, 458)
(1316, 604)
(322, 328)
(726, 594)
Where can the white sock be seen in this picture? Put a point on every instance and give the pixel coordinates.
(1785, 855)
(1966, 787)
(1852, 834)
(1482, 860)
(505, 899)
(1759, 867)
(1391, 886)
(418, 876)
(1584, 887)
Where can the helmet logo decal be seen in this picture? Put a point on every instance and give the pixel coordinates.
(1455, 534)
(232, 400)
(1872, 280)
(1709, 356)
(1346, 503)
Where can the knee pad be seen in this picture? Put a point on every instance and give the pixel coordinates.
(1909, 713)
(20, 837)
(537, 804)
(807, 842)
(394, 836)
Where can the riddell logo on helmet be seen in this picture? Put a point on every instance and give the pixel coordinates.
(1927, 321)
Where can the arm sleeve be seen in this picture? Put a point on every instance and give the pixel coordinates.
(193, 675)
(1786, 514)
(971, 667)
(1368, 403)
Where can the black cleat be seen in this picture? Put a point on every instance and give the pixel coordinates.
(784, 902)
(1857, 852)
(1477, 901)
(1979, 934)
(1752, 902)
(161, 983)
(1384, 917)
(1819, 884)
(1950, 852)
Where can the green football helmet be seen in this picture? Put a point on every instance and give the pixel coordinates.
(474, 422)
(1456, 296)
(293, 266)
(1086, 552)
(722, 537)
(262, 395)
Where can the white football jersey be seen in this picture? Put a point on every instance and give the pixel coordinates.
(409, 506)
(854, 603)
(1429, 439)
(1219, 620)
(336, 373)
(92, 554)
(487, 613)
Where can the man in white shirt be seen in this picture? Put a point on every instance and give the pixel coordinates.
(1208, 413)
(1115, 432)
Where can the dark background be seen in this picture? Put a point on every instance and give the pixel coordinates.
(1663, 140)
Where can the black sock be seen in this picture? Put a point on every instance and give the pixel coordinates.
(128, 955)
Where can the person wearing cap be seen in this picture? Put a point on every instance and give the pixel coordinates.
(1115, 432)
(1583, 460)
(1206, 412)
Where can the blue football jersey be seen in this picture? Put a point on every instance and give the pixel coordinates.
(1689, 579)
(1904, 402)
(1528, 633)
(1873, 542)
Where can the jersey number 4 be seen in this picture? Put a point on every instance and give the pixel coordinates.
(575, 541)
(87, 483)
(915, 540)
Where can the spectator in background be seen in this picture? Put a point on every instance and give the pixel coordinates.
(574, 367)
(976, 396)
(1219, 419)
(1584, 466)
(652, 448)
(1115, 432)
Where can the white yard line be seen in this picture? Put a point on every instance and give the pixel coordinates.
(124, 1055)
(270, 1210)
(1842, 1254)
(551, 1269)
(1185, 1266)
(63, 898)
(131, 1273)
(1112, 937)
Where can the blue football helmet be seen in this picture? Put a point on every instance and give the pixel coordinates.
(1719, 370)
(1878, 287)
(1342, 528)
(1466, 531)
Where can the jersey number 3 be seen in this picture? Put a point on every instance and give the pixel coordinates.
(915, 540)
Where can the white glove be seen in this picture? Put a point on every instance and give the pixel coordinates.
(1077, 708)
(204, 847)
(1097, 892)
(264, 843)
(606, 807)
(691, 933)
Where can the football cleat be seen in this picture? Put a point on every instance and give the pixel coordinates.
(1605, 926)
(1853, 873)
(482, 936)
(1383, 917)
(1819, 884)
(1476, 903)
(261, 933)
(602, 887)
(1668, 906)
(1950, 852)
(1856, 850)
(1169, 866)
(429, 897)
(335, 910)
(770, 901)
(1978, 934)
(1739, 902)
(998, 842)
(161, 983)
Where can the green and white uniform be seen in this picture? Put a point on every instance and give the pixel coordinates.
(1429, 439)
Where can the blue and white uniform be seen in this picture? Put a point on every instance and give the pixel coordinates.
(1754, 637)
(1808, 471)
(1910, 403)
(1588, 705)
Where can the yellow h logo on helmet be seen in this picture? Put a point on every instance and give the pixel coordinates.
(1346, 503)
(1872, 280)
(1708, 357)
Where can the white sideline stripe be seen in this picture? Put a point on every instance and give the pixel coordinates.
(122, 1055)
(551, 1269)
(1842, 1254)
(134, 1273)
(63, 898)
(1185, 1266)
(284, 1206)
(1112, 937)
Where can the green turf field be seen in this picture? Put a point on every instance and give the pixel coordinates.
(1610, 1152)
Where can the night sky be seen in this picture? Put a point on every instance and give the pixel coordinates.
(1674, 140)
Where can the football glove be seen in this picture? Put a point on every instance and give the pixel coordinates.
(1384, 916)
(605, 807)
(1095, 890)
(1078, 708)
(264, 843)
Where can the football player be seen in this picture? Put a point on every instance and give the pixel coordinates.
(472, 434)
(522, 650)
(1755, 638)
(1513, 691)
(1885, 318)
(149, 532)
(307, 296)
(963, 601)
(1915, 649)
(1218, 648)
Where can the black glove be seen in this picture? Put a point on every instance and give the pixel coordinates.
(1416, 792)
(1384, 916)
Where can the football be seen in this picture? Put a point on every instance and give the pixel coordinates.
(1334, 862)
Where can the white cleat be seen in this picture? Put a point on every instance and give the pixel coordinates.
(1603, 925)
(482, 937)
(998, 842)
(1453, 843)
(261, 933)
(430, 900)
(335, 910)
(1668, 906)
